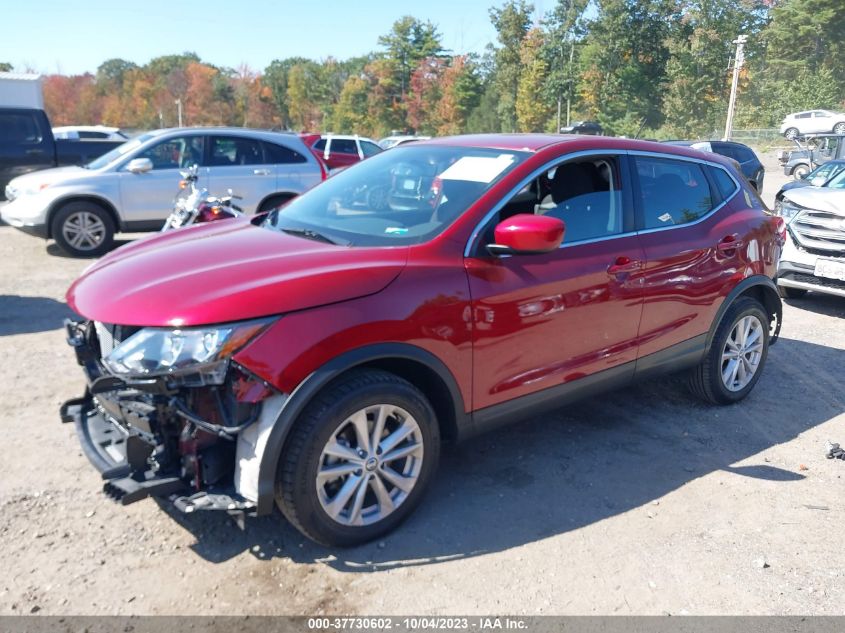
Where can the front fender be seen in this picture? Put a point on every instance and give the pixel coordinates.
(317, 380)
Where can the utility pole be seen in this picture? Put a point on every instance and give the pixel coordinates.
(569, 93)
(738, 61)
(178, 103)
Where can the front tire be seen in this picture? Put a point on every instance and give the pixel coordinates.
(839, 128)
(359, 459)
(737, 355)
(791, 133)
(800, 172)
(83, 229)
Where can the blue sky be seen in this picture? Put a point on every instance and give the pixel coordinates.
(73, 37)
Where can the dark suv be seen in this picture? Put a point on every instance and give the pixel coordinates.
(315, 359)
(750, 165)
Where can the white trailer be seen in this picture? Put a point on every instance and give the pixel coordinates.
(21, 90)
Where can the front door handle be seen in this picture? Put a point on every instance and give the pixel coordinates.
(729, 243)
(624, 264)
(261, 172)
(32, 152)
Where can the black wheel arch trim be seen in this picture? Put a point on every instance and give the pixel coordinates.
(59, 203)
(317, 380)
(289, 195)
(772, 303)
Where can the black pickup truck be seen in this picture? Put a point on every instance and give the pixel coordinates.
(27, 144)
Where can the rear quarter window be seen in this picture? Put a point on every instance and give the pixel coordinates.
(280, 155)
(724, 183)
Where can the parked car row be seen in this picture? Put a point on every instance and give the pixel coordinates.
(131, 187)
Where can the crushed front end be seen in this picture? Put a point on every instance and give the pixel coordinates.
(167, 413)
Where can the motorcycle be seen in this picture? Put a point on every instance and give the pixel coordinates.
(194, 205)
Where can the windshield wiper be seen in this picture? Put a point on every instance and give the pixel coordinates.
(311, 235)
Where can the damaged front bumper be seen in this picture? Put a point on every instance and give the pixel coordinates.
(147, 438)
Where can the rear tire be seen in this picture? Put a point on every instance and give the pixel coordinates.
(337, 482)
(791, 293)
(83, 229)
(737, 355)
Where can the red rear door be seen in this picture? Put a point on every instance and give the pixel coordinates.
(695, 248)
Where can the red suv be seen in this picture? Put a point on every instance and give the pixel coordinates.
(338, 151)
(316, 358)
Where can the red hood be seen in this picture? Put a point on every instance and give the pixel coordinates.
(226, 271)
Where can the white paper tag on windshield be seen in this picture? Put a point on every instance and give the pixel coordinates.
(477, 168)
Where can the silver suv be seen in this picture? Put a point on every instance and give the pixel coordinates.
(132, 187)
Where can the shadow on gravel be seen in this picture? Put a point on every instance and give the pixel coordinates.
(828, 305)
(54, 250)
(24, 315)
(573, 468)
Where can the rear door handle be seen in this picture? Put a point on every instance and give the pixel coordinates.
(624, 264)
(34, 151)
(729, 243)
(261, 172)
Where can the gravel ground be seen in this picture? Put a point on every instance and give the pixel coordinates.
(640, 502)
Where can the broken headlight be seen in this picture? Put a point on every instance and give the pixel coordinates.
(201, 352)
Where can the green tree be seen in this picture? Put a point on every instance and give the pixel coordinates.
(409, 42)
(351, 113)
(701, 50)
(624, 63)
(6, 67)
(532, 111)
(565, 27)
(276, 78)
(511, 22)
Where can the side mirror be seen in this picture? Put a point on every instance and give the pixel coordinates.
(527, 234)
(139, 165)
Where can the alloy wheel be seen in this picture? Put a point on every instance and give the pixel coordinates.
(369, 465)
(742, 353)
(84, 231)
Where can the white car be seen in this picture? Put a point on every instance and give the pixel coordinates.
(812, 122)
(101, 132)
(132, 187)
(393, 141)
(813, 257)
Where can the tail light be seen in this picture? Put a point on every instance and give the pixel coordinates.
(435, 193)
(324, 173)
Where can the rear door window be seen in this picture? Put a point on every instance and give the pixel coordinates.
(344, 146)
(672, 192)
(228, 151)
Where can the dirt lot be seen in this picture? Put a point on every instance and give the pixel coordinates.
(641, 502)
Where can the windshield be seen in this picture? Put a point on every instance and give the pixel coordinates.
(838, 181)
(405, 196)
(119, 151)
